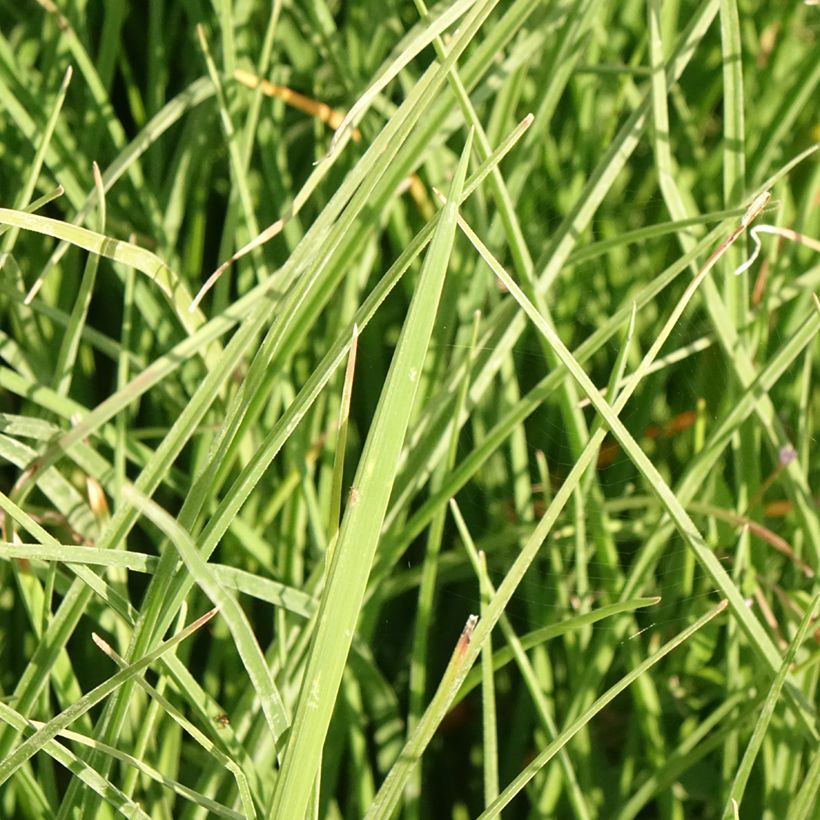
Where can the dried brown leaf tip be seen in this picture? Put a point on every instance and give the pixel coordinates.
(466, 635)
(756, 208)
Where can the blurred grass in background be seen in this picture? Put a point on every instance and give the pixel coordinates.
(287, 449)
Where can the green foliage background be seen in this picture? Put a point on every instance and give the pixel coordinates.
(156, 461)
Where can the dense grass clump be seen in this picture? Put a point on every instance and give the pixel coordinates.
(384, 428)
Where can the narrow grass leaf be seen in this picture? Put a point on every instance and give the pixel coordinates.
(755, 633)
(503, 656)
(766, 712)
(84, 773)
(547, 754)
(35, 742)
(125, 253)
(246, 644)
(339, 606)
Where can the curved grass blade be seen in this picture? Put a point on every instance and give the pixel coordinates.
(547, 633)
(246, 643)
(126, 253)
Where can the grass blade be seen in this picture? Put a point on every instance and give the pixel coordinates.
(339, 606)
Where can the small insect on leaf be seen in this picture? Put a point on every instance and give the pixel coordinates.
(222, 719)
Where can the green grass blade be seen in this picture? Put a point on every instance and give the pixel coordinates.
(339, 606)
(107, 790)
(751, 626)
(241, 630)
(36, 741)
(765, 716)
(544, 757)
(125, 253)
